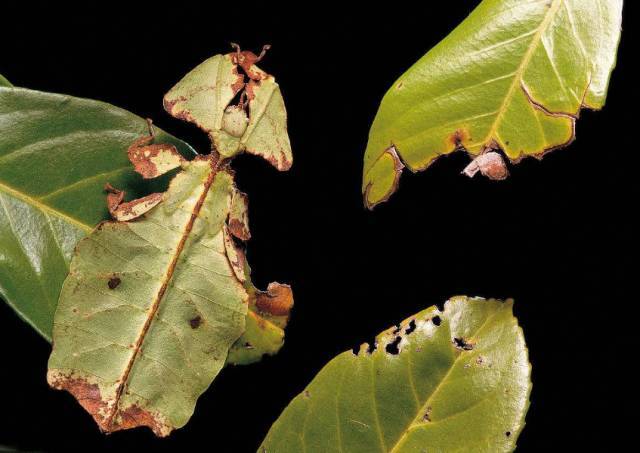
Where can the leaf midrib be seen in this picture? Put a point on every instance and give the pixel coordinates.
(516, 82)
(435, 391)
(44, 208)
(517, 79)
(109, 419)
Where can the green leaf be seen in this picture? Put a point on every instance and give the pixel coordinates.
(151, 306)
(4, 82)
(267, 317)
(452, 380)
(56, 154)
(157, 301)
(513, 75)
(40, 226)
(204, 95)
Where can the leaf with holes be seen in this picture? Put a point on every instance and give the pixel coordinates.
(513, 76)
(157, 301)
(56, 154)
(451, 380)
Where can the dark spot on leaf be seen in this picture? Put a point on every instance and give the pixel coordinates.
(463, 344)
(114, 282)
(306, 394)
(248, 345)
(436, 320)
(195, 322)
(427, 415)
(508, 433)
(458, 137)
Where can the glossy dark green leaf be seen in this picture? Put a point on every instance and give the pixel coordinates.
(512, 76)
(56, 154)
(440, 381)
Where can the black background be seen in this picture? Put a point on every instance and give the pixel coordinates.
(556, 236)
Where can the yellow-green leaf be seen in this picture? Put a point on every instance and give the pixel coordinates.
(441, 381)
(513, 75)
(4, 82)
(204, 97)
(151, 307)
(159, 300)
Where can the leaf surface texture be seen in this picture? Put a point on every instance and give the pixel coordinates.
(513, 75)
(442, 381)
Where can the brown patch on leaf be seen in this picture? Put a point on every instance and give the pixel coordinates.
(459, 137)
(490, 164)
(134, 416)
(427, 415)
(153, 160)
(277, 300)
(235, 255)
(239, 216)
(130, 210)
(87, 394)
(114, 282)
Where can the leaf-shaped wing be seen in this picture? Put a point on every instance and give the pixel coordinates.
(151, 307)
(513, 75)
(266, 134)
(56, 154)
(202, 96)
(456, 380)
(264, 328)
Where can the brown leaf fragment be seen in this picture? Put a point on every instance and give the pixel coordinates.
(130, 210)
(490, 164)
(134, 416)
(87, 394)
(239, 216)
(277, 300)
(235, 255)
(153, 160)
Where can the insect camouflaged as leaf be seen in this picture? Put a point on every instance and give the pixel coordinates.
(155, 301)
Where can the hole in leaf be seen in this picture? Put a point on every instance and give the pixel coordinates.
(411, 327)
(436, 320)
(463, 344)
(392, 348)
